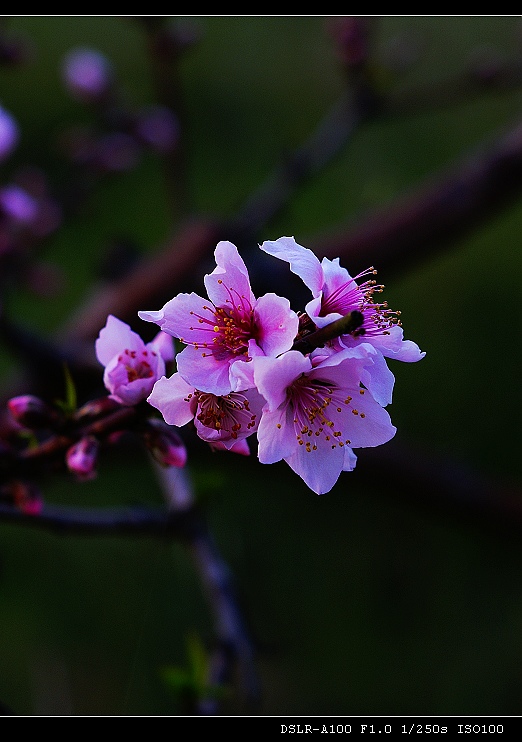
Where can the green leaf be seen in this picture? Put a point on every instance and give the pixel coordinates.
(69, 404)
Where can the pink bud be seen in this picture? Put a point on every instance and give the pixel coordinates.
(165, 445)
(31, 411)
(26, 497)
(82, 457)
(97, 407)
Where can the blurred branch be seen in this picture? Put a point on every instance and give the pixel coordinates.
(148, 285)
(234, 646)
(436, 214)
(328, 139)
(65, 521)
(403, 233)
(166, 46)
(444, 486)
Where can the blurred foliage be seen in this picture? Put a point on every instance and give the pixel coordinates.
(360, 602)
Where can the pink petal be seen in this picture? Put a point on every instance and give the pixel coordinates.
(274, 375)
(164, 345)
(303, 262)
(203, 371)
(276, 436)
(393, 346)
(229, 281)
(185, 316)
(277, 324)
(319, 469)
(174, 398)
(115, 337)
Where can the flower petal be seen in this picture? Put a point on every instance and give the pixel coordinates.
(276, 436)
(174, 398)
(204, 371)
(303, 262)
(188, 317)
(163, 345)
(274, 375)
(319, 469)
(277, 324)
(229, 281)
(115, 337)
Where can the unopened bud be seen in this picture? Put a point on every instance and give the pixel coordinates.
(164, 444)
(82, 457)
(31, 412)
(97, 407)
(26, 497)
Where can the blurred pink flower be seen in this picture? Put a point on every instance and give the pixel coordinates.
(87, 73)
(17, 204)
(9, 133)
(131, 366)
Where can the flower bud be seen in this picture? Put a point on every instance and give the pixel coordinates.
(26, 497)
(97, 407)
(82, 457)
(164, 444)
(31, 412)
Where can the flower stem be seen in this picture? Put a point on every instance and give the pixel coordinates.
(317, 339)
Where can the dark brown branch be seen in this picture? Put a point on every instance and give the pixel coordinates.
(318, 339)
(234, 647)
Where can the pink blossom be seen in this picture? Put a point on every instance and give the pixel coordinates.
(335, 294)
(224, 333)
(223, 421)
(316, 412)
(131, 366)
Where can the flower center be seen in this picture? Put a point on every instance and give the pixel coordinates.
(231, 327)
(378, 318)
(315, 404)
(136, 364)
(229, 414)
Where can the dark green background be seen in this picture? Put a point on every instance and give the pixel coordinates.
(360, 602)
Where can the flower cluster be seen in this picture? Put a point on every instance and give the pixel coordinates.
(253, 366)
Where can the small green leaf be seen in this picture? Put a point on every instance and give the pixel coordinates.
(69, 404)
